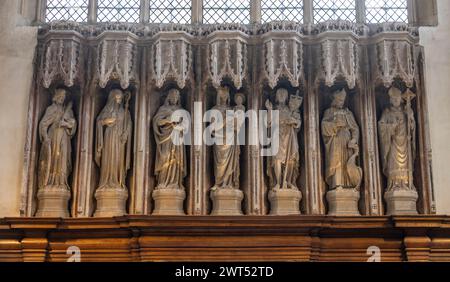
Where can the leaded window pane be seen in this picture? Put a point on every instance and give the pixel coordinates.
(175, 11)
(67, 10)
(326, 10)
(282, 10)
(226, 11)
(118, 11)
(379, 11)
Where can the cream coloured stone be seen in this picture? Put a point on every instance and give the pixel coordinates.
(53, 202)
(343, 202)
(285, 201)
(401, 202)
(111, 202)
(227, 201)
(169, 201)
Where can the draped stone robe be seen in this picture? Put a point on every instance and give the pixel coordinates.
(113, 154)
(226, 156)
(397, 148)
(170, 163)
(288, 151)
(339, 158)
(55, 162)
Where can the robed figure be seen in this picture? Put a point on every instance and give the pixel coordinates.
(283, 168)
(170, 163)
(226, 152)
(397, 141)
(340, 135)
(113, 147)
(56, 130)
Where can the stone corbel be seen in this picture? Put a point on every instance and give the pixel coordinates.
(117, 57)
(395, 59)
(283, 58)
(227, 58)
(171, 59)
(61, 61)
(339, 60)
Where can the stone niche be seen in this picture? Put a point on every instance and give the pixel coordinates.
(309, 61)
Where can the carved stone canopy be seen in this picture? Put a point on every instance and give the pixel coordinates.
(227, 57)
(394, 59)
(283, 58)
(339, 59)
(61, 59)
(171, 59)
(116, 58)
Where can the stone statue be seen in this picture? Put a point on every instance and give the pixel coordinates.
(225, 193)
(226, 156)
(170, 163)
(56, 130)
(113, 153)
(340, 134)
(283, 168)
(397, 145)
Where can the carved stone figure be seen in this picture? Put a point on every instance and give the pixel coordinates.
(340, 134)
(170, 163)
(225, 193)
(283, 168)
(397, 144)
(113, 154)
(56, 130)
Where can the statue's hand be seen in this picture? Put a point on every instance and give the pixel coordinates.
(109, 121)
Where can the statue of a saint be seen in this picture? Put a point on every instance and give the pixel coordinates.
(56, 130)
(170, 164)
(113, 147)
(283, 168)
(397, 141)
(340, 134)
(226, 154)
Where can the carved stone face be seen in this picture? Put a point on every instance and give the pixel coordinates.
(118, 96)
(238, 100)
(395, 97)
(60, 96)
(339, 98)
(223, 96)
(174, 97)
(281, 96)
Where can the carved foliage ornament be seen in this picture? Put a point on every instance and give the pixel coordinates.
(116, 61)
(283, 58)
(61, 60)
(171, 59)
(395, 60)
(339, 60)
(227, 58)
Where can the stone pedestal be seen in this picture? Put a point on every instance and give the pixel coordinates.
(285, 201)
(227, 201)
(111, 202)
(53, 202)
(401, 202)
(343, 202)
(169, 201)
